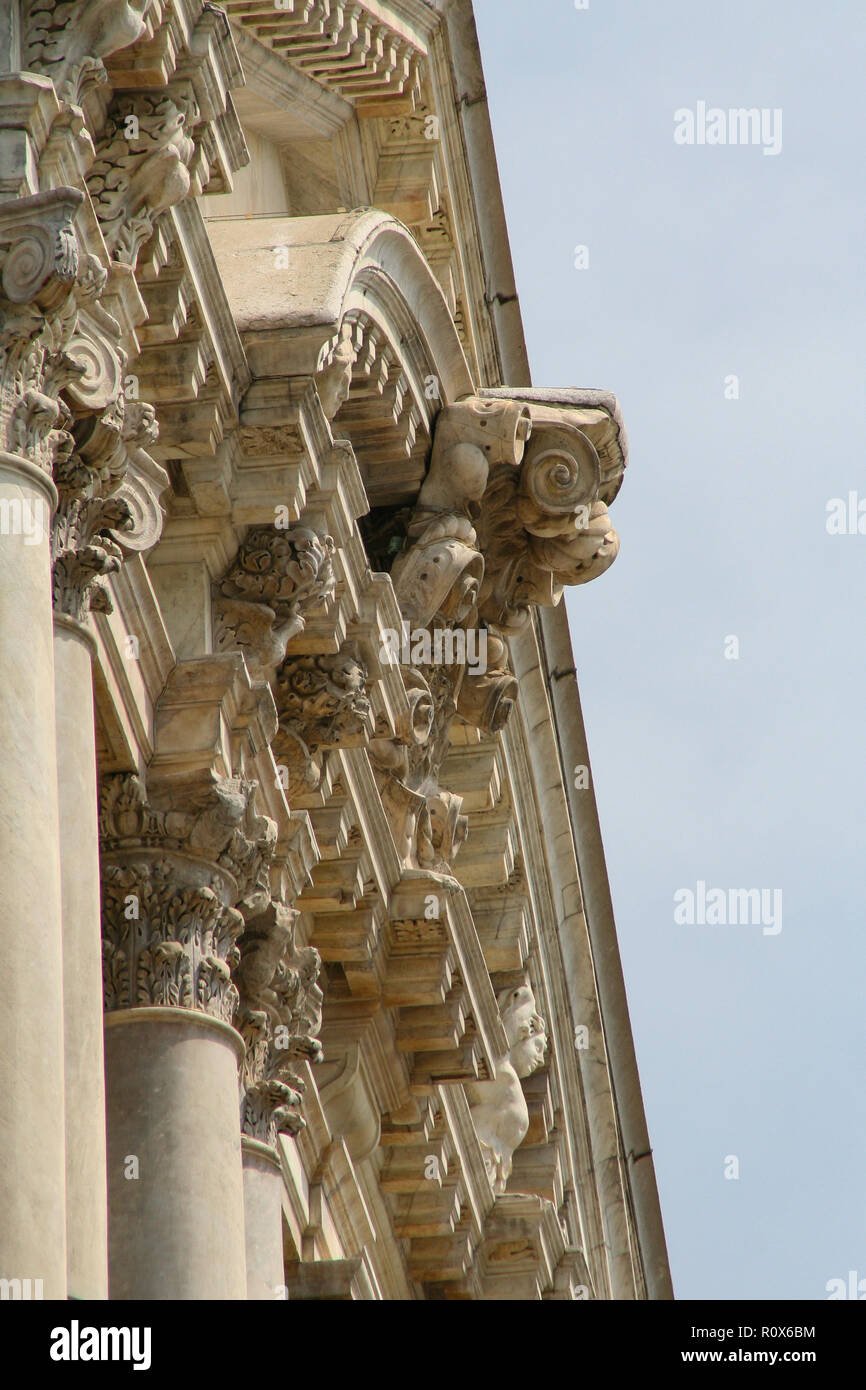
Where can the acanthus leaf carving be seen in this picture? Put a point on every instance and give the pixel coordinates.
(174, 870)
(279, 1017)
(322, 704)
(39, 266)
(96, 496)
(142, 170)
(512, 508)
(260, 604)
(68, 41)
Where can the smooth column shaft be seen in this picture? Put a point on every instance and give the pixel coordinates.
(32, 1158)
(86, 1188)
(175, 1183)
(263, 1186)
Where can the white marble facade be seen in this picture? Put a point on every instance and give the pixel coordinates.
(296, 870)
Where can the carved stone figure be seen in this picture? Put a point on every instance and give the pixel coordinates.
(499, 1108)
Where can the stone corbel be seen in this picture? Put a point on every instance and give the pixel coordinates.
(260, 604)
(513, 508)
(545, 525)
(323, 704)
(68, 41)
(142, 169)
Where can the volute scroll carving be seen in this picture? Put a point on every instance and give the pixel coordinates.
(175, 868)
(39, 267)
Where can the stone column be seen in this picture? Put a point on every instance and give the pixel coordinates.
(263, 1186)
(39, 260)
(86, 1192)
(176, 1197)
(32, 1178)
(175, 1186)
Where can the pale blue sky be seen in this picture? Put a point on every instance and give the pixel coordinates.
(704, 262)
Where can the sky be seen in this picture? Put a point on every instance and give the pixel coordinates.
(723, 303)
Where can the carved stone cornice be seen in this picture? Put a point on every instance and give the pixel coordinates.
(279, 1016)
(173, 870)
(277, 577)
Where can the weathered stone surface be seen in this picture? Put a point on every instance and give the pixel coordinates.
(254, 446)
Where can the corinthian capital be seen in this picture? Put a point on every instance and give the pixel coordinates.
(279, 1016)
(38, 269)
(174, 868)
(100, 499)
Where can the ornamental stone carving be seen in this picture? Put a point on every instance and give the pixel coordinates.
(83, 551)
(39, 263)
(499, 1108)
(322, 703)
(167, 941)
(173, 870)
(99, 503)
(67, 40)
(512, 508)
(279, 1016)
(277, 576)
(142, 166)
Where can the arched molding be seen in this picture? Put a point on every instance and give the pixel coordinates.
(293, 281)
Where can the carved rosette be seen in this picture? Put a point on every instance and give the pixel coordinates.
(279, 1016)
(277, 577)
(173, 871)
